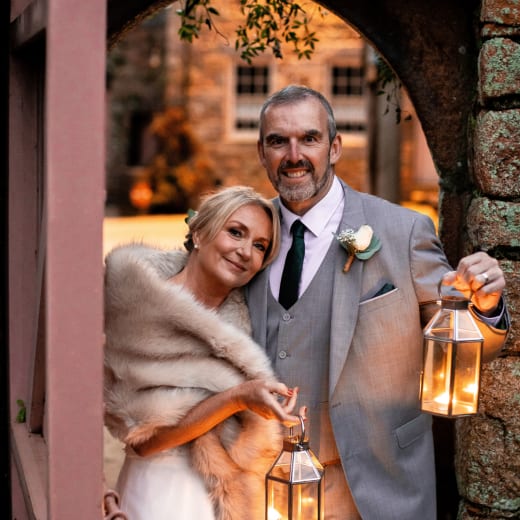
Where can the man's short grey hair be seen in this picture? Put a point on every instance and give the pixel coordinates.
(294, 94)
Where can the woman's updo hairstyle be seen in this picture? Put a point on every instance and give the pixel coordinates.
(216, 208)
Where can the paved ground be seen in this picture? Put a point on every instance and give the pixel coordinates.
(161, 230)
(166, 231)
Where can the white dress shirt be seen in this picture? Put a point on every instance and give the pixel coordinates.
(322, 221)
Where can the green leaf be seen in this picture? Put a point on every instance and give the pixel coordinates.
(22, 412)
(373, 247)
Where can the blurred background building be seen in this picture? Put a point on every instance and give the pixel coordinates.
(183, 117)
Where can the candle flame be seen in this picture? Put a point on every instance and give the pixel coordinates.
(471, 388)
(443, 398)
(273, 514)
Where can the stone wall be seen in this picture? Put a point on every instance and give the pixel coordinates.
(488, 445)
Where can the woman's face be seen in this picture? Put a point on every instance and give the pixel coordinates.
(237, 252)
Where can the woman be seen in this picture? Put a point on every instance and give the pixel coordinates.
(186, 389)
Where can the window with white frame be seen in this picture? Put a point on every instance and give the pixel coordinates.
(348, 97)
(251, 89)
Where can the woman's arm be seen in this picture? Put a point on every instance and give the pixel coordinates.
(257, 395)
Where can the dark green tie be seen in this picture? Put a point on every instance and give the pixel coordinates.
(293, 266)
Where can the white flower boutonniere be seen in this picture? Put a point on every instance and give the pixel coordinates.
(360, 244)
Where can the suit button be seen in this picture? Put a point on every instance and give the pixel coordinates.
(286, 316)
(282, 354)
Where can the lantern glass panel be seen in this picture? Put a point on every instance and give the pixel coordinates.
(452, 360)
(305, 501)
(293, 485)
(441, 380)
(293, 501)
(277, 500)
(305, 467)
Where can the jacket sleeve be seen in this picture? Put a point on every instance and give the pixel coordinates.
(494, 337)
(429, 264)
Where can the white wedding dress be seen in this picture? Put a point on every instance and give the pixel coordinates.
(163, 487)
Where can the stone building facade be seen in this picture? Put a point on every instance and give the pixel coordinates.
(221, 95)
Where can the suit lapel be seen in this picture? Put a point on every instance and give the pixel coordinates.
(346, 292)
(256, 295)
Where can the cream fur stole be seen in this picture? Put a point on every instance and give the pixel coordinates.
(164, 353)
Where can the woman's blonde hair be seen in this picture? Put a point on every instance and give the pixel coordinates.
(216, 208)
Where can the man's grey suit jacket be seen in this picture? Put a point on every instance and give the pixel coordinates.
(384, 441)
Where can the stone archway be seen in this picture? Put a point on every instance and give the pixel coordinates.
(432, 47)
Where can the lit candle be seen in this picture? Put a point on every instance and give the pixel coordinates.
(472, 389)
(273, 514)
(444, 399)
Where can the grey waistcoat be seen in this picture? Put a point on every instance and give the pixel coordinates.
(299, 350)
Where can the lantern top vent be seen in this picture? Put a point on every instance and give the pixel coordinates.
(456, 303)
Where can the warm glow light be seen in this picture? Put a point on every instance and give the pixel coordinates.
(452, 352)
(273, 514)
(443, 398)
(472, 388)
(141, 195)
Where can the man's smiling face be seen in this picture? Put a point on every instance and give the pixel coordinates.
(296, 152)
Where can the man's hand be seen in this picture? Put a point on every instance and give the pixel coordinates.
(480, 278)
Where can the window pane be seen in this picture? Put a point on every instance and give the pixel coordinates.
(348, 98)
(252, 80)
(252, 87)
(347, 81)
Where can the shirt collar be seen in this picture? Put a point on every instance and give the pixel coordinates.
(313, 219)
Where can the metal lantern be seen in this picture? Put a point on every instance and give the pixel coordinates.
(450, 379)
(293, 485)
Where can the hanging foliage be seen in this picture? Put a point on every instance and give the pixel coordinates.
(268, 24)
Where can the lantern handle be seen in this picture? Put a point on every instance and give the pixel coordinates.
(456, 293)
(302, 425)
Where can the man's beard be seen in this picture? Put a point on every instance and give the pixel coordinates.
(304, 191)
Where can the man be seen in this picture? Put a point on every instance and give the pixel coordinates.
(352, 341)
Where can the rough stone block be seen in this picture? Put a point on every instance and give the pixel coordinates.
(497, 153)
(503, 12)
(487, 445)
(493, 223)
(511, 271)
(499, 69)
(468, 511)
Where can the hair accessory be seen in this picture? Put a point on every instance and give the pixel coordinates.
(190, 214)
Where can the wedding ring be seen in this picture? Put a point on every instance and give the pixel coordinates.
(486, 278)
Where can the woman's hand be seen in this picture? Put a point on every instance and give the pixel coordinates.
(269, 399)
(259, 396)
